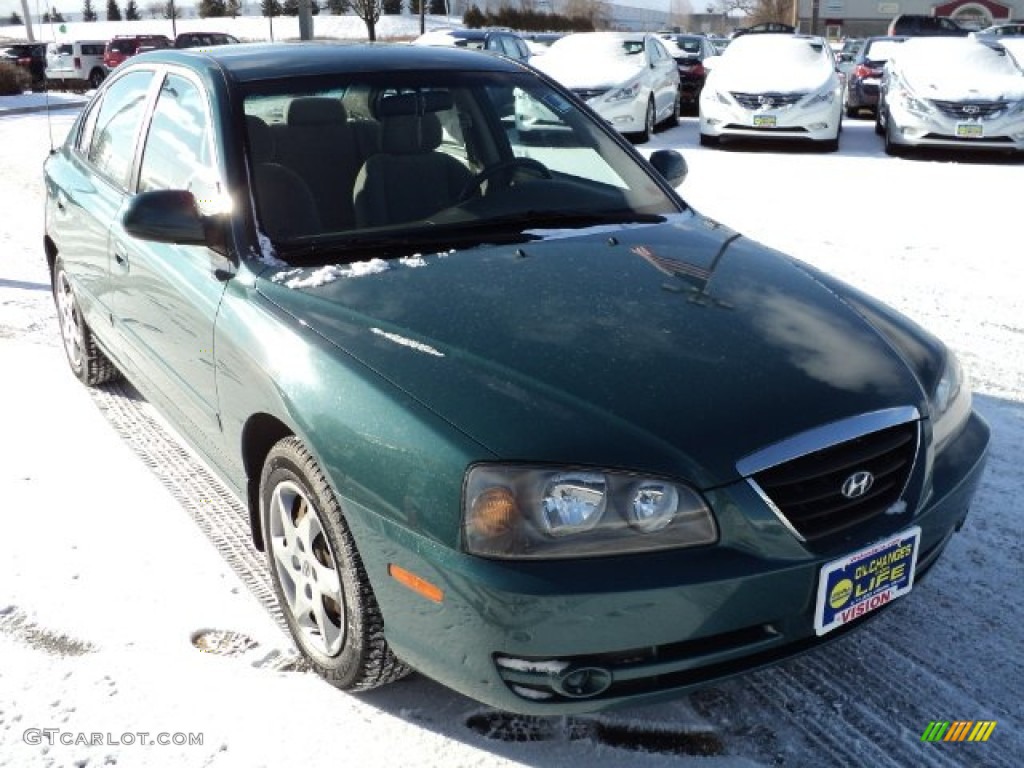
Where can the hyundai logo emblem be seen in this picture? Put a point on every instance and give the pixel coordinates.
(766, 101)
(970, 109)
(857, 484)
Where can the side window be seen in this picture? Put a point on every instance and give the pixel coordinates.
(112, 144)
(177, 151)
(509, 44)
(494, 44)
(88, 126)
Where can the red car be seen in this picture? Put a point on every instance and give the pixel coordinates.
(123, 46)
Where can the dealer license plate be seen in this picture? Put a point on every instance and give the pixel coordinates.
(764, 121)
(866, 580)
(970, 130)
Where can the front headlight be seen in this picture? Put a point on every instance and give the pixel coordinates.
(627, 93)
(522, 512)
(900, 92)
(826, 96)
(950, 402)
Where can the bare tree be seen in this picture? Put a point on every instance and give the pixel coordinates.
(369, 11)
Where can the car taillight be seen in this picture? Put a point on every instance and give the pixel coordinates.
(862, 71)
(78, 62)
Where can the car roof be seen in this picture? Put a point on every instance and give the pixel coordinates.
(248, 62)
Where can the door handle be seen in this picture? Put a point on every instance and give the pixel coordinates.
(121, 257)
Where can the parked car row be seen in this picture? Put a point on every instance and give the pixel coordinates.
(85, 63)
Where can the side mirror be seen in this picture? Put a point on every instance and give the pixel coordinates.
(165, 216)
(671, 165)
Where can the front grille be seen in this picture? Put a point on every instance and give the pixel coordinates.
(590, 93)
(968, 110)
(767, 100)
(808, 490)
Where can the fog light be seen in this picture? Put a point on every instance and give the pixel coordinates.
(622, 119)
(713, 121)
(583, 682)
(818, 126)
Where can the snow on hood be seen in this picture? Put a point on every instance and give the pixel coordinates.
(958, 68)
(593, 60)
(772, 63)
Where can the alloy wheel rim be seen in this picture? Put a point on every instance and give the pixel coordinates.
(307, 569)
(70, 322)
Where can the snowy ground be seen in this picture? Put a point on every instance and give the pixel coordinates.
(104, 576)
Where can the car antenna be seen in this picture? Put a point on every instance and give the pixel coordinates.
(46, 81)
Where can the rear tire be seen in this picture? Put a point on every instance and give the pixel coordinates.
(318, 575)
(879, 128)
(96, 77)
(852, 112)
(86, 359)
(673, 119)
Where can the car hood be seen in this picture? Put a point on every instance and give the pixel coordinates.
(769, 78)
(595, 75)
(674, 348)
(966, 86)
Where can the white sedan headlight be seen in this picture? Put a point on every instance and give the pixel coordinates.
(625, 93)
(825, 96)
(900, 92)
(523, 512)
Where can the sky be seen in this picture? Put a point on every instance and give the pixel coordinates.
(105, 576)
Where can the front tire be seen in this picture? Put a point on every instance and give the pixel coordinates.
(96, 78)
(649, 116)
(318, 576)
(86, 359)
(677, 107)
(891, 147)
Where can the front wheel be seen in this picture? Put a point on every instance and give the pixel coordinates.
(649, 117)
(891, 147)
(318, 575)
(96, 78)
(86, 359)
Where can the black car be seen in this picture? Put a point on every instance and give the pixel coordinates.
(768, 27)
(204, 39)
(30, 57)
(862, 82)
(922, 25)
(689, 52)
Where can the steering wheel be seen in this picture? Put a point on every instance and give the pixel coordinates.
(526, 164)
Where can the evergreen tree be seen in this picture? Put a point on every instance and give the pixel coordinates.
(113, 11)
(473, 18)
(337, 7)
(290, 8)
(437, 7)
(212, 9)
(270, 8)
(88, 12)
(54, 16)
(233, 8)
(314, 7)
(131, 11)
(414, 7)
(392, 7)
(15, 19)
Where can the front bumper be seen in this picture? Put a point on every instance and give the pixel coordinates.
(933, 129)
(819, 122)
(625, 116)
(583, 636)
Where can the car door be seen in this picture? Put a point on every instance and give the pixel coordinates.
(58, 61)
(168, 295)
(664, 76)
(89, 189)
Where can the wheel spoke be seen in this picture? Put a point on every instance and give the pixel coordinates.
(330, 633)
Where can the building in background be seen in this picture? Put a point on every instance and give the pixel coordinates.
(861, 18)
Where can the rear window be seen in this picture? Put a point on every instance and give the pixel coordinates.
(122, 46)
(93, 49)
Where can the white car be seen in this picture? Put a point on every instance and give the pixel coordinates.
(953, 92)
(773, 86)
(76, 63)
(628, 78)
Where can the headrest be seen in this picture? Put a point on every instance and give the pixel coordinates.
(414, 103)
(410, 134)
(316, 110)
(261, 139)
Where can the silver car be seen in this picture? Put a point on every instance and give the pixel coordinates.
(960, 93)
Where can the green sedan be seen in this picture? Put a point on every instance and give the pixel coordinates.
(503, 408)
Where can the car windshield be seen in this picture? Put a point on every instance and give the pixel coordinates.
(881, 50)
(388, 158)
(688, 45)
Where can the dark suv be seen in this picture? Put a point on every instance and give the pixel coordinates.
(122, 47)
(204, 39)
(29, 56)
(921, 25)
